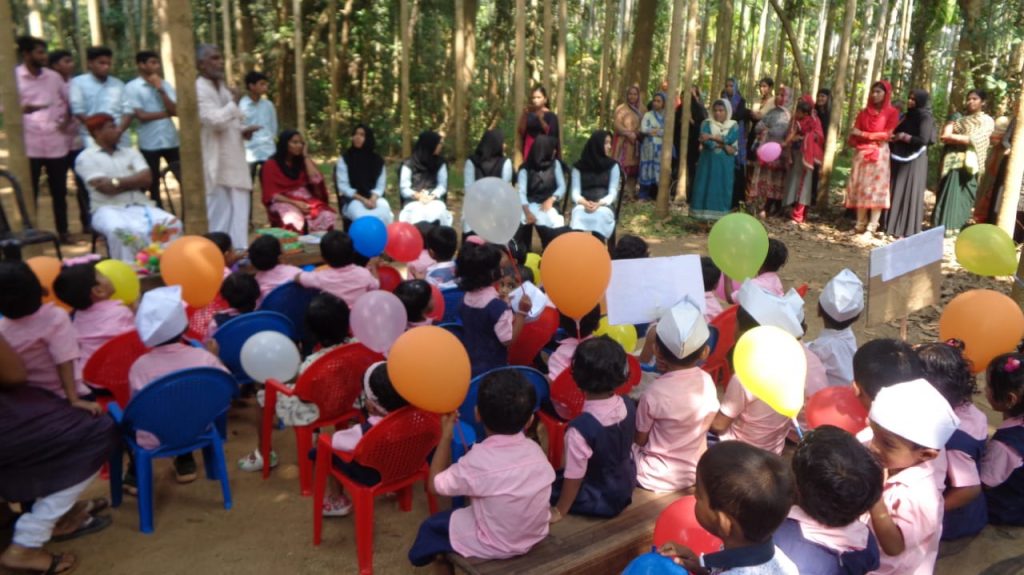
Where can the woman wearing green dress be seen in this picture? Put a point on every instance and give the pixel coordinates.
(967, 142)
(712, 187)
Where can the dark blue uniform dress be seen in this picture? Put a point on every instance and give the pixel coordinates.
(815, 559)
(971, 518)
(1006, 501)
(486, 352)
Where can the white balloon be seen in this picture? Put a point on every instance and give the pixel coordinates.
(492, 209)
(270, 355)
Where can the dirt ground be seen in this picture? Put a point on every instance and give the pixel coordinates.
(269, 528)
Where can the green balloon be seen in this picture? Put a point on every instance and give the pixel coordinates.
(738, 244)
(986, 250)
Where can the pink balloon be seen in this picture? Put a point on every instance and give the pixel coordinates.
(769, 152)
(378, 318)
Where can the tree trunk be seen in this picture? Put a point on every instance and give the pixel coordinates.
(334, 69)
(35, 18)
(702, 49)
(675, 47)
(144, 25)
(967, 52)
(723, 42)
(563, 39)
(839, 96)
(643, 42)
(826, 51)
(461, 82)
(407, 37)
(607, 61)
(95, 23)
(300, 67)
(283, 79)
(881, 50)
(869, 42)
(925, 23)
(625, 25)
(692, 13)
(755, 68)
(1011, 189)
(547, 19)
(519, 82)
(896, 69)
(17, 160)
(794, 44)
(820, 48)
(229, 50)
(244, 34)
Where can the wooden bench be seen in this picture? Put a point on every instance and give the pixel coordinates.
(578, 545)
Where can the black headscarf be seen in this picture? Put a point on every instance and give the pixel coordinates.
(595, 167)
(918, 123)
(824, 112)
(488, 159)
(423, 164)
(281, 156)
(540, 170)
(364, 164)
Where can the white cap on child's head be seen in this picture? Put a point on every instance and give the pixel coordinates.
(161, 315)
(786, 312)
(683, 329)
(843, 296)
(915, 411)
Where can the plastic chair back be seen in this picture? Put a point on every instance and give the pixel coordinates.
(334, 381)
(233, 334)
(533, 338)
(467, 411)
(108, 368)
(455, 329)
(452, 305)
(398, 446)
(181, 406)
(199, 318)
(290, 300)
(717, 364)
(568, 396)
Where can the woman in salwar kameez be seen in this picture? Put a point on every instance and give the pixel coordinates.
(967, 143)
(805, 144)
(764, 195)
(867, 190)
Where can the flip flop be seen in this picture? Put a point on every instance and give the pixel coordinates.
(55, 561)
(96, 505)
(91, 525)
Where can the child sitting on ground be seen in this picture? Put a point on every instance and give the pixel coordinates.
(946, 368)
(711, 275)
(1002, 466)
(240, 291)
(837, 481)
(839, 307)
(506, 476)
(417, 268)
(768, 276)
(576, 333)
(418, 300)
(743, 495)
(599, 471)
(630, 247)
(343, 278)
(265, 256)
(223, 243)
(442, 241)
(878, 364)
(911, 423)
(676, 410)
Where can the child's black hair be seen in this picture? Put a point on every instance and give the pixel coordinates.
(327, 319)
(946, 368)
(478, 266)
(778, 253)
(837, 478)
(752, 486)
(21, 294)
(442, 241)
(880, 363)
(505, 402)
(74, 284)
(711, 273)
(265, 253)
(630, 247)
(744, 321)
(415, 296)
(221, 239)
(1006, 376)
(387, 396)
(669, 357)
(241, 291)
(424, 229)
(831, 323)
(337, 249)
(253, 77)
(587, 326)
(599, 365)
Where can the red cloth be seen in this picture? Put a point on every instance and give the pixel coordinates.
(275, 183)
(871, 120)
(813, 146)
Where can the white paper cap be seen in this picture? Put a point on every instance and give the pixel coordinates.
(766, 308)
(161, 315)
(683, 329)
(915, 411)
(843, 296)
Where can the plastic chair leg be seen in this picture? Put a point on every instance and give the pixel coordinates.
(323, 466)
(221, 424)
(144, 476)
(405, 499)
(266, 427)
(304, 442)
(209, 462)
(220, 469)
(116, 466)
(364, 530)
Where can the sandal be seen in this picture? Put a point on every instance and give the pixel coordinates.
(91, 525)
(56, 560)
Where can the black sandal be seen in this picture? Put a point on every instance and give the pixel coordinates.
(91, 525)
(55, 561)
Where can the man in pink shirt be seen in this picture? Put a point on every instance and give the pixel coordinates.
(343, 278)
(98, 318)
(506, 476)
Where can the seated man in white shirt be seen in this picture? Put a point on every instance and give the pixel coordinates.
(117, 178)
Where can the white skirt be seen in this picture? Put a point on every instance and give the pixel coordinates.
(416, 211)
(601, 220)
(355, 210)
(550, 218)
(127, 228)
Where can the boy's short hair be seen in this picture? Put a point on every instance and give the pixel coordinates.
(253, 77)
(506, 401)
(221, 239)
(442, 241)
(744, 321)
(384, 391)
(327, 319)
(265, 253)
(599, 365)
(883, 362)
(831, 323)
(587, 325)
(144, 56)
(337, 249)
(27, 44)
(837, 478)
(478, 266)
(241, 291)
(58, 55)
(752, 486)
(21, 294)
(415, 295)
(93, 52)
(74, 284)
(630, 247)
(778, 253)
(711, 273)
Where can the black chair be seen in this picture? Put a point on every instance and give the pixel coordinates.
(12, 241)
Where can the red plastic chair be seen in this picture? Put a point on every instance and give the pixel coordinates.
(533, 338)
(333, 383)
(199, 318)
(108, 368)
(397, 448)
(717, 364)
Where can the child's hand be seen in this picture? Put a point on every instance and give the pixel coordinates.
(683, 555)
(90, 406)
(448, 421)
(525, 305)
(213, 347)
(556, 515)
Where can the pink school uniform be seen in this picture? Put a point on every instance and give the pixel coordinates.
(417, 268)
(44, 340)
(1001, 460)
(754, 421)
(270, 279)
(607, 412)
(770, 281)
(963, 470)
(98, 324)
(346, 283)
(508, 480)
(712, 306)
(914, 499)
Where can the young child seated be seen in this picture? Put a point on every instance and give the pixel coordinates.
(907, 520)
(676, 410)
(418, 301)
(417, 268)
(1002, 466)
(241, 291)
(837, 481)
(42, 335)
(768, 276)
(442, 241)
(946, 368)
(711, 275)
(265, 255)
(839, 307)
(599, 471)
(506, 476)
(343, 278)
(561, 358)
(878, 364)
(223, 243)
(630, 247)
(743, 495)
(98, 318)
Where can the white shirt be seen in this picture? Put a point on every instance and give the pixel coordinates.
(613, 187)
(155, 134)
(835, 349)
(261, 146)
(90, 96)
(221, 134)
(123, 162)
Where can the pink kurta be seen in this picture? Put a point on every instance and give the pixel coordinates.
(98, 324)
(346, 283)
(44, 340)
(44, 129)
(753, 421)
(1001, 460)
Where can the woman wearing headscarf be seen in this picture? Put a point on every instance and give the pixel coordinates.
(293, 188)
(626, 141)
(967, 143)
(909, 165)
(741, 114)
(698, 113)
(360, 176)
(488, 161)
(653, 129)
(423, 182)
(823, 110)
(766, 188)
(595, 186)
(541, 184)
(538, 120)
(867, 190)
(805, 145)
(990, 183)
(716, 168)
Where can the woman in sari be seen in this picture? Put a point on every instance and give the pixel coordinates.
(990, 183)
(360, 176)
(488, 161)
(293, 188)
(909, 165)
(867, 190)
(806, 146)
(653, 129)
(541, 184)
(967, 143)
(423, 182)
(537, 120)
(626, 142)
(766, 188)
(595, 187)
(716, 168)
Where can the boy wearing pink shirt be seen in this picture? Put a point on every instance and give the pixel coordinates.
(507, 478)
(712, 275)
(768, 277)
(265, 256)
(417, 268)
(561, 358)
(98, 318)
(343, 278)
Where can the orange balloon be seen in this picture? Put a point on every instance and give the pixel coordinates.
(429, 367)
(46, 269)
(580, 269)
(988, 322)
(197, 265)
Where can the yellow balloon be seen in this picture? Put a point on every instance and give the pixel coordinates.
(772, 365)
(123, 278)
(533, 262)
(624, 335)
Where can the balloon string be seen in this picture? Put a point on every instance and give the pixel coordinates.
(579, 334)
(462, 437)
(799, 432)
(515, 266)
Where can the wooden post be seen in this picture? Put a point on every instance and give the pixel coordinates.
(838, 96)
(684, 128)
(1007, 218)
(674, 48)
(300, 68)
(17, 161)
(519, 83)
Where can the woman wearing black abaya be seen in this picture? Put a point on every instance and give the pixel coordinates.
(909, 159)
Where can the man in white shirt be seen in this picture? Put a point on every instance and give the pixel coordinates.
(153, 102)
(97, 92)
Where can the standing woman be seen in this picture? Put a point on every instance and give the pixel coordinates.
(653, 129)
(595, 186)
(293, 188)
(626, 142)
(806, 143)
(423, 182)
(488, 161)
(867, 190)
(967, 142)
(909, 155)
(537, 120)
(698, 113)
(741, 115)
(541, 184)
(766, 189)
(823, 110)
(361, 177)
(716, 168)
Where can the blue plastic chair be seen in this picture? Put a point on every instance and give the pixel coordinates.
(235, 332)
(290, 300)
(455, 329)
(452, 305)
(467, 411)
(179, 409)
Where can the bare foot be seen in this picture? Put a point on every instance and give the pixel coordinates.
(27, 559)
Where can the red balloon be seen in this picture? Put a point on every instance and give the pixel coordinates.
(389, 278)
(437, 314)
(836, 406)
(404, 242)
(678, 524)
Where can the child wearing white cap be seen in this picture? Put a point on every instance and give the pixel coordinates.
(907, 520)
(840, 306)
(676, 410)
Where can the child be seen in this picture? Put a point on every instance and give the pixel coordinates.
(630, 247)
(258, 111)
(1002, 468)
(676, 410)
(98, 318)
(223, 243)
(950, 373)
(911, 423)
(442, 242)
(837, 481)
(265, 255)
(743, 495)
(576, 333)
(42, 335)
(768, 276)
(241, 292)
(489, 324)
(839, 307)
(418, 301)
(711, 275)
(880, 363)
(343, 278)
(599, 470)
(506, 476)
(418, 267)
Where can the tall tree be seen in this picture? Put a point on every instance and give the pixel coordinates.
(794, 45)
(563, 40)
(755, 67)
(838, 96)
(1011, 189)
(547, 21)
(406, 25)
(821, 49)
(611, 10)
(17, 160)
(675, 47)
(300, 67)
(35, 18)
(906, 9)
(461, 84)
(334, 69)
(723, 43)
(519, 83)
(870, 39)
(229, 49)
(95, 22)
(692, 12)
(643, 42)
(926, 22)
(968, 52)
